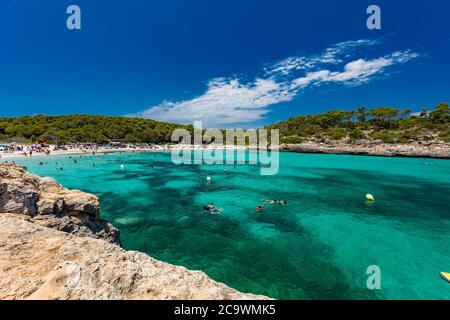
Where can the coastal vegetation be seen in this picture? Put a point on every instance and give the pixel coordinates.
(386, 124)
(85, 128)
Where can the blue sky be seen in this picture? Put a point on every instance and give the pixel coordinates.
(229, 63)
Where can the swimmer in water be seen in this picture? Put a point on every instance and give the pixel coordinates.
(217, 211)
(211, 208)
(282, 202)
(259, 208)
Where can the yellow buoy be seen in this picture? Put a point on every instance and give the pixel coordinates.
(370, 197)
(445, 276)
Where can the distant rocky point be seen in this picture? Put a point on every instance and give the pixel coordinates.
(54, 245)
(435, 149)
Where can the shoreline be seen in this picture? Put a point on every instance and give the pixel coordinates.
(20, 155)
(79, 151)
(434, 150)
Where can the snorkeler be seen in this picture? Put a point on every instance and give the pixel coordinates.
(282, 202)
(259, 208)
(211, 208)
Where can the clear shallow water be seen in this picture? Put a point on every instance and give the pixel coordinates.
(317, 247)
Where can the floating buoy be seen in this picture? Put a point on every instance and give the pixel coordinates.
(445, 276)
(122, 167)
(208, 178)
(370, 197)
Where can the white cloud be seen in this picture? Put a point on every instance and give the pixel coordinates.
(225, 102)
(230, 102)
(330, 55)
(355, 72)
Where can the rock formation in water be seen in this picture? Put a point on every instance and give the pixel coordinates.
(53, 245)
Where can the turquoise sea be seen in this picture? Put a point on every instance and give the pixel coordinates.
(317, 247)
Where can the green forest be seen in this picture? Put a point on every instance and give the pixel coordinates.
(84, 128)
(390, 125)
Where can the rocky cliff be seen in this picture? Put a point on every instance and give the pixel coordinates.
(54, 245)
(45, 202)
(371, 148)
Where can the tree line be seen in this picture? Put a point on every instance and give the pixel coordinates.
(86, 129)
(388, 124)
(391, 125)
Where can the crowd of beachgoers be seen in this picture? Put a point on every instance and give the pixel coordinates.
(41, 149)
(16, 150)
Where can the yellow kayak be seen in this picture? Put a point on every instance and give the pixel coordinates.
(445, 276)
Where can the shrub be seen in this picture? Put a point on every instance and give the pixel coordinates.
(385, 136)
(336, 133)
(357, 134)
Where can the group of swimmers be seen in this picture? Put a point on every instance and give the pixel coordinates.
(211, 208)
(75, 161)
(260, 208)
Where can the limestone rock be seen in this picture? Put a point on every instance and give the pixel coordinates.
(49, 204)
(42, 263)
(52, 246)
(432, 149)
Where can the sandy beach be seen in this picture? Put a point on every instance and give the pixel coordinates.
(20, 154)
(102, 150)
